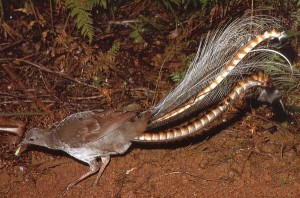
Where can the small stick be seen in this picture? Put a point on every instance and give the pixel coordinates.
(281, 150)
(12, 45)
(14, 77)
(43, 68)
(22, 114)
(272, 122)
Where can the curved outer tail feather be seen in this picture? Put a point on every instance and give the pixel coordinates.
(195, 125)
(221, 61)
(225, 71)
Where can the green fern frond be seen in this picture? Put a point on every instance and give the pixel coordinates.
(177, 76)
(82, 11)
(102, 3)
(137, 32)
(114, 50)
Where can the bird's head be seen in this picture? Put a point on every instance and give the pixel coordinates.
(34, 136)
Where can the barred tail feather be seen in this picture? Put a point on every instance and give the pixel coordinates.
(191, 127)
(223, 54)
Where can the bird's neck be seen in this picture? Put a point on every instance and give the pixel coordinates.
(49, 141)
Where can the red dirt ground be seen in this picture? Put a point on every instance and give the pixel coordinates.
(246, 156)
(242, 160)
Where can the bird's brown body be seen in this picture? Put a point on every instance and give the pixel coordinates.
(89, 135)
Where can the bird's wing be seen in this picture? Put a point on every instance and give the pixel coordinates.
(85, 127)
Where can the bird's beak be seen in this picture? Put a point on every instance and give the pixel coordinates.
(20, 149)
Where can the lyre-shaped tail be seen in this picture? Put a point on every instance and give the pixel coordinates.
(196, 124)
(177, 112)
(221, 61)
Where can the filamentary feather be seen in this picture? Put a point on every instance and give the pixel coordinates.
(218, 49)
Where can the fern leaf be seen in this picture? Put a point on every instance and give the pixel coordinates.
(83, 20)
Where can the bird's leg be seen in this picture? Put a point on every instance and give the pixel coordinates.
(105, 161)
(94, 167)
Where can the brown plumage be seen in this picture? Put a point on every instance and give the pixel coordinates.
(87, 136)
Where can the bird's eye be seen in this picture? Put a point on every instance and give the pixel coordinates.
(31, 139)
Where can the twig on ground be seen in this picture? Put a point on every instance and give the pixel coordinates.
(272, 122)
(15, 78)
(41, 67)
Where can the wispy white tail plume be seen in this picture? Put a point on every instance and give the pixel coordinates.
(220, 48)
